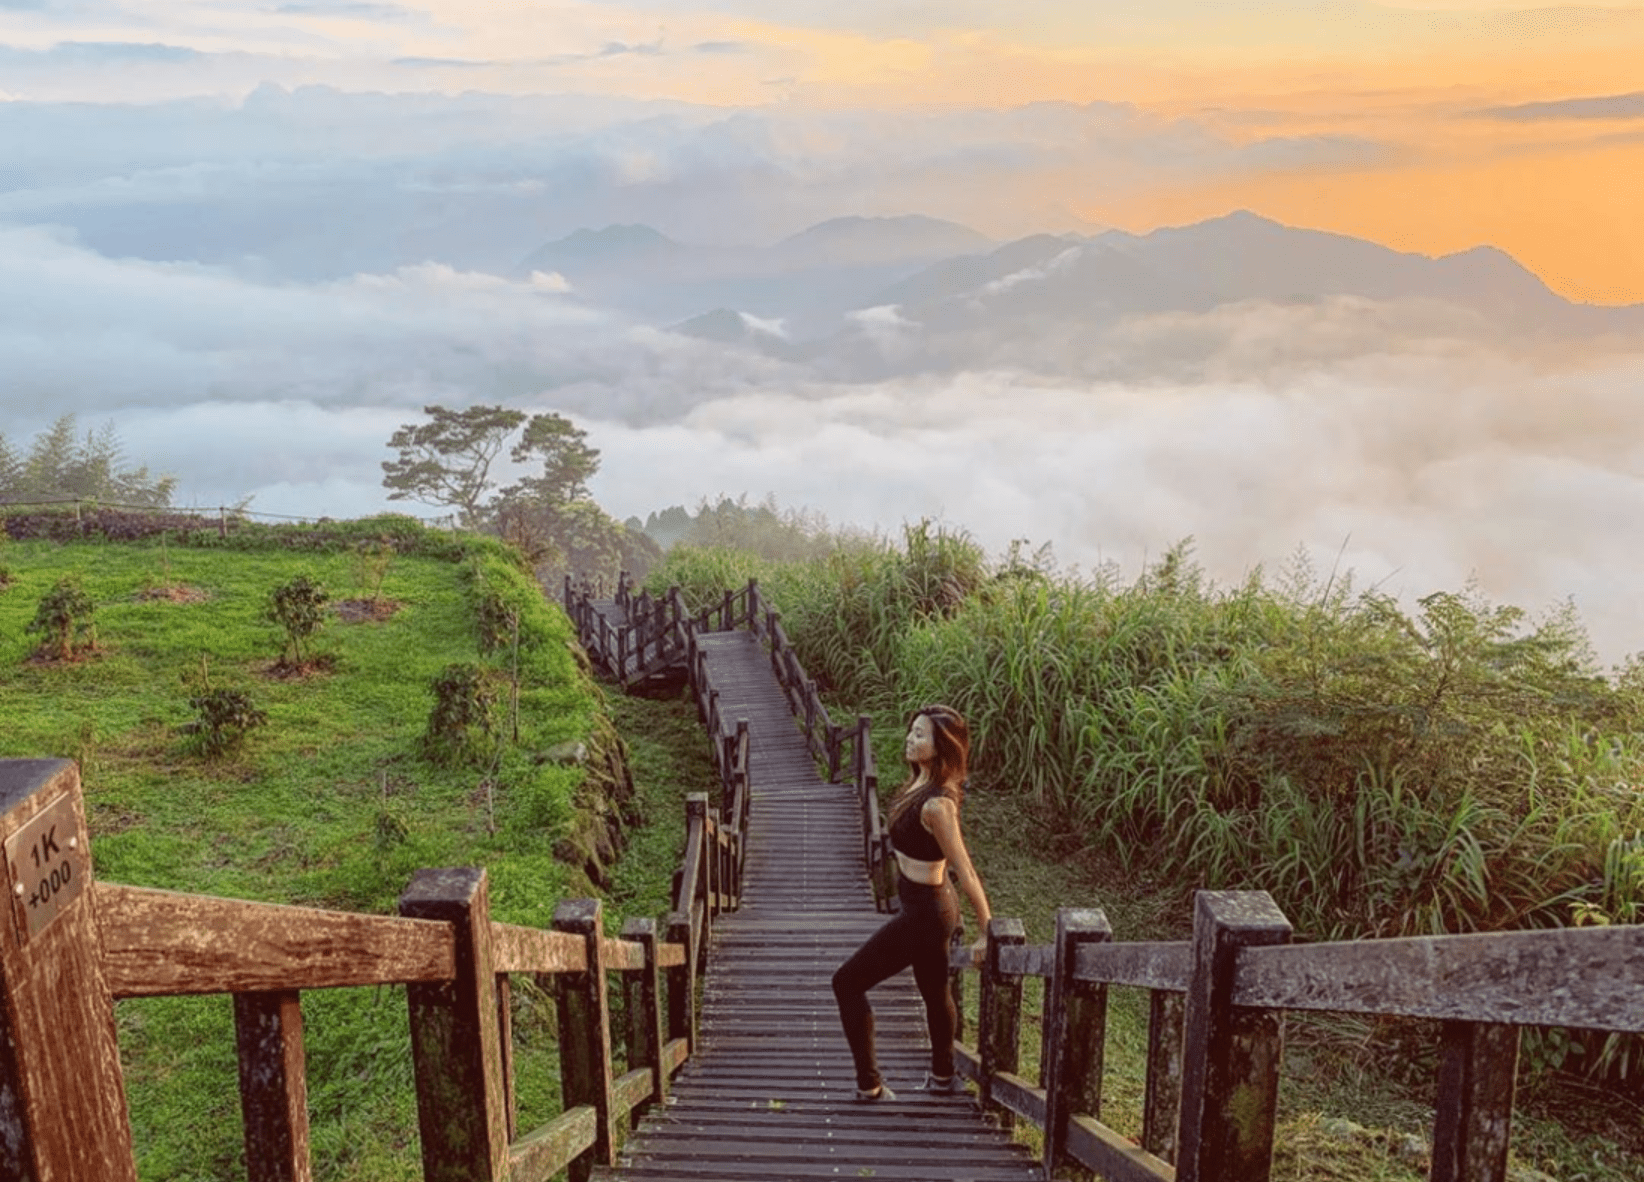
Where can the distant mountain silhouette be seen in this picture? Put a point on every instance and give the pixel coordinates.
(1225, 260)
(1037, 301)
(1056, 303)
(731, 327)
(809, 279)
(612, 248)
(852, 240)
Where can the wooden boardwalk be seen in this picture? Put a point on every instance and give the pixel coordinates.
(770, 1094)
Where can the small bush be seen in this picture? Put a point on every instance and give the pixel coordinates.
(371, 563)
(496, 620)
(226, 716)
(64, 619)
(462, 726)
(299, 608)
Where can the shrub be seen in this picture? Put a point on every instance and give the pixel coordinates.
(299, 608)
(64, 619)
(226, 716)
(371, 563)
(462, 726)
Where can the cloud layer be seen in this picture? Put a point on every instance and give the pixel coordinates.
(1421, 449)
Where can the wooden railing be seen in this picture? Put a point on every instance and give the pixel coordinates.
(75, 946)
(1215, 1035)
(666, 626)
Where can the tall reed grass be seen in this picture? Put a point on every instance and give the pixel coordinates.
(1381, 770)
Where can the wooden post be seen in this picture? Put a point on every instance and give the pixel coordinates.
(956, 981)
(268, 1033)
(646, 1032)
(1478, 1068)
(1230, 1063)
(462, 1106)
(1001, 1017)
(62, 1097)
(744, 750)
(696, 829)
(1075, 1032)
(585, 1069)
(725, 610)
(682, 979)
(1162, 1101)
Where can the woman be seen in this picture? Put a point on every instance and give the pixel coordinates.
(930, 854)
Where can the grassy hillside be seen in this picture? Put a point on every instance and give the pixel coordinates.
(331, 803)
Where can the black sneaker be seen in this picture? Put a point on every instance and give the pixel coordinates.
(876, 1094)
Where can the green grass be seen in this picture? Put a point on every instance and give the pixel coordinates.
(329, 805)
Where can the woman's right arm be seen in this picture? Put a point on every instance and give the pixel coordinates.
(941, 817)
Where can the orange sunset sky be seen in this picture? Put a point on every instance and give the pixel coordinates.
(1430, 127)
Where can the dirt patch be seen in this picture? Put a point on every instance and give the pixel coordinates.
(47, 658)
(365, 611)
(176, 594)
(284, 670)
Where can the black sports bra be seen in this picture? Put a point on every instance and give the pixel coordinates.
(911, 837)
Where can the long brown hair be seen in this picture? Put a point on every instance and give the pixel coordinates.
(951, 737)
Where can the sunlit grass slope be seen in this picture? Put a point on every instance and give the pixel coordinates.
(330, 804)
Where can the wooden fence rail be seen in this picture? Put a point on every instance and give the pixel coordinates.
(1216, 1032)
(74, 946)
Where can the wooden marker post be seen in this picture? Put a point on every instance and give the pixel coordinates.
(62, 1097)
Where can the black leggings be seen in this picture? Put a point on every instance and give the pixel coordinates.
(918, 935)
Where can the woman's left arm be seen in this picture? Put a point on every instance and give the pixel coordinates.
(941, 817)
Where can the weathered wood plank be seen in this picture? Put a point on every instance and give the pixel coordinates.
(646, 1013)
(1473, 1114)
(1230, 1064)
(1162, 1099)
(1000, 1017)
(1149, 965)
(586, 1075)
(544, 1152)
(622, 955)
(462, 1102)
(1075, 1032)
(630, 1090)
(1011, 1091)
(268, 1035)
(1114, 1157)
(164, 942)
(62, 1095)
(1026, 960)
(1587, 977)
(516, 949)
(674, 1052)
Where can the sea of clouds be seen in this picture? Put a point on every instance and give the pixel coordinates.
(1405, 441)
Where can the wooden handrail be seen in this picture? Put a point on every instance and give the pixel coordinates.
(157, 942)
(1211, 1090)
(104, 941)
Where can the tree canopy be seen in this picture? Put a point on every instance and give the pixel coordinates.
(447, 460)
(60, 463)
(547, 512)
